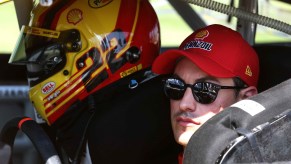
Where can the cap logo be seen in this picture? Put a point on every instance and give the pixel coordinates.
(202, 34)
(249, 71)
(198, 43)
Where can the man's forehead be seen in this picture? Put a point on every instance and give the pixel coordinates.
(186, 69)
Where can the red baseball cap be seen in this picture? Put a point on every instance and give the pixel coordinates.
(217, 50)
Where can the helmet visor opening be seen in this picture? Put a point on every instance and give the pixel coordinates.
(43, 50)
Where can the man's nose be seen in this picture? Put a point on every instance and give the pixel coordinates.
(188, 103)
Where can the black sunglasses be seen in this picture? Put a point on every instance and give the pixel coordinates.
(203, 92)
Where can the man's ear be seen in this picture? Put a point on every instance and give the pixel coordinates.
(248, 92)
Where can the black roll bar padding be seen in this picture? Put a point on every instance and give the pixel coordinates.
(9, 131)
(207, 143)
(35, 133)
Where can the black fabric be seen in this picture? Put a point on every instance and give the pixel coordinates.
(211, 138)
(69, 132)
(133, 127)
(128, 126)
(275, 64)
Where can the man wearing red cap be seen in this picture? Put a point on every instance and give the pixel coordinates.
(213, 68)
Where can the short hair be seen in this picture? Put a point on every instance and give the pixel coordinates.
(240, 83)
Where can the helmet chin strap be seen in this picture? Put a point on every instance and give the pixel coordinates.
(75, 121)
(82, 143)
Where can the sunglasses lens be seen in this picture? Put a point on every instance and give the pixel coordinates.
(174, 88)
(204, 93)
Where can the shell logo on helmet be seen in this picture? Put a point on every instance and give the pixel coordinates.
(75, 16)
(94, 49)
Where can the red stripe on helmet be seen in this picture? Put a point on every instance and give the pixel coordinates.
(126, 16)
(50, 17)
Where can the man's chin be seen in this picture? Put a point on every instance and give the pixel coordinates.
(184, 138)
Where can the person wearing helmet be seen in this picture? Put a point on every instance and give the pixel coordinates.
(213, 68)
(88, 68)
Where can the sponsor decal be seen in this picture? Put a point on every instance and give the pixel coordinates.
(131, 71)
(249, 71)
(54, 95)
(98, 3)
(75, 16)
(198, 44)
(48, 87)
(41, 32)
(202, 34)
(198, 41)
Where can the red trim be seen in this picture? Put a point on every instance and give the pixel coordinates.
(126, 16)
(63, 84)
(52, 118)
(61, 91)
(42, 16)
(22, 121)
(64, 88)
(57, 16)
(180, 158)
